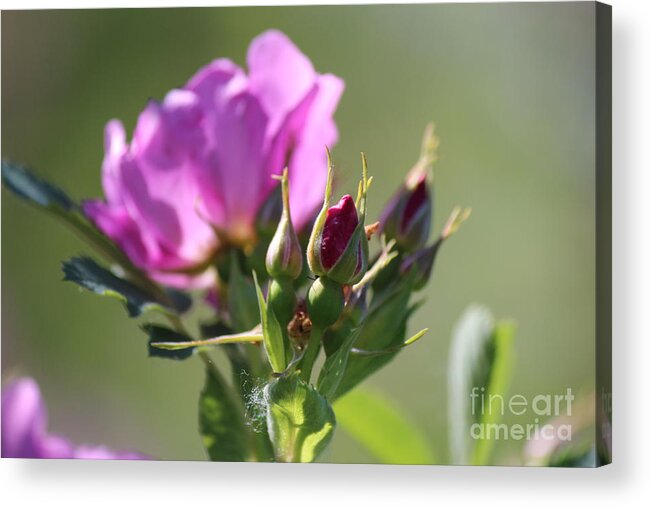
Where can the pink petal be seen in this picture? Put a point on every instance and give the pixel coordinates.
(157, 178)
(115, 222)
(279, 75)
(101, 452)
(23, 419)
(114, 149)
(231, 181)
(308, 166)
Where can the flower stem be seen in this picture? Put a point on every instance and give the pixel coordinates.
(311, 353)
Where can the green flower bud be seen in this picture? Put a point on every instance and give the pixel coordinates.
(325, 302)
(282, 299)
(284, 256)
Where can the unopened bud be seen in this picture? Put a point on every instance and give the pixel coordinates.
(338, 245)
(284, 256)
(325, 302)
(407, 217)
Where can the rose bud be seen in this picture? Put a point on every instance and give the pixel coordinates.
(408, 216)
(284, 256)
(338, 254)
(284, 261)
(338, 247)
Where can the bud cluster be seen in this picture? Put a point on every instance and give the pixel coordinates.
(337, 255)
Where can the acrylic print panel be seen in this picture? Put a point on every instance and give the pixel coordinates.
(236, 292)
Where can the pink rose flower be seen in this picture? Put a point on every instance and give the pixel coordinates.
(199, 164)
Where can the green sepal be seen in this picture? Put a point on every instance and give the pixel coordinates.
(334, 368)
(384, 326)
(275, 341)
(350, 268)
(314, 245)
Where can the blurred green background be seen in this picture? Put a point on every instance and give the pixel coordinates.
(511, 89)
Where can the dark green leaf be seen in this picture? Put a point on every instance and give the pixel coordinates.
(216, 328)
(385, 326)
(181, 301)
(32, 188)
(300, 420)
(158, 333)
(382, 428)
(51, 198)
(85, 272)
(221, 422)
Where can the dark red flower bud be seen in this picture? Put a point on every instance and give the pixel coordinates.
(408, 216)
(341, 221)
(338, 245)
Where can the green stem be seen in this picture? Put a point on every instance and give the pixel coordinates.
(311, 353)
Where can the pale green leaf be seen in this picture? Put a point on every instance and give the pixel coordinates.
(382, 428)
(479, 368)
(299, 420)
(274, 342)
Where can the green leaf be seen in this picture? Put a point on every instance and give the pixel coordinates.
(391, 350)
(274, 341)
(221, 423)
(384, 327)
(181, 301)
(51, 198)
(299, 420)
(166, 335)
(27, 185)
(335, 366)
(480, 366)
(242, 302)
(85, 272)
(382, 428)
